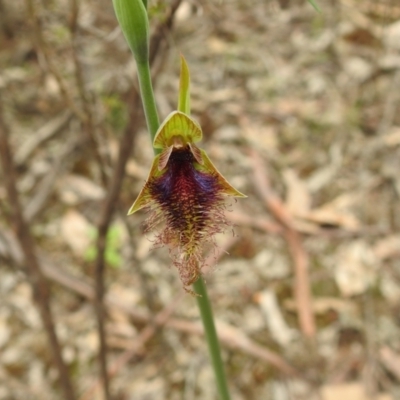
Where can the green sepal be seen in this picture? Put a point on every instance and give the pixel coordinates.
(133, 19)
(184, 88)
(178, 129)
(144, 197)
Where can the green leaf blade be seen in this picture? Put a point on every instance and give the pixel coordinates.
(314, 4)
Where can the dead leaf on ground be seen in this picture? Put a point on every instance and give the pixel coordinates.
(322, 305)
(74, 189)
(337, 213)
(355, 268)
(277, 326)
(349, 391)
(298, 199)
(75, 230)
(387, 247)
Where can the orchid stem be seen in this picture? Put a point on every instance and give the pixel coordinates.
(199, 287)
(204, 304)
(149, 102)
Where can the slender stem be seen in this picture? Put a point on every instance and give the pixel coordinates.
(204, 304)
(147, 94)
(199, 287)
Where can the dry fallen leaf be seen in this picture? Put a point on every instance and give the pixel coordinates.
(349, 391)
(355, 268)
(75, 230)
(391, 360)
(75, 188)
(265, 138)
(321, 305)
(387, 247)
(392, 35)
(337, 212)
(298, 199)
(277, 326)
(392, 138)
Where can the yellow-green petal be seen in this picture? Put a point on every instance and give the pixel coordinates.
(177, 130)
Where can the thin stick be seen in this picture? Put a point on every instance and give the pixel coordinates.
(145, 335)
(106, 213)
(88, 122)
(42, 49)
(297, 251)
(111, 200)
(38, 282)
(89, 129)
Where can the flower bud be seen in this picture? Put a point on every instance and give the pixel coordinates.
(132, 17)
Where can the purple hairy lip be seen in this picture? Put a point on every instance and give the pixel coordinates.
(185, 194)
(191, 204)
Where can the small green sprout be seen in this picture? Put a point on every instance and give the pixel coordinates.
(112, 251)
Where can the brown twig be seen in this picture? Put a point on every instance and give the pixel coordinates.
(391, 105)
(44, 55)
(88, 122)
(88, 127)
(145, 335)
(42, 135)
(263, 224)
(110, 202)
(38, 282)
(293, 238)
(106, 213)
(162, 31)
(45, 187)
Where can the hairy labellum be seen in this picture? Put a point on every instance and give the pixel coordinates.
(191, 204)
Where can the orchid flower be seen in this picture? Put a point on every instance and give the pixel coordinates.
(184, 192)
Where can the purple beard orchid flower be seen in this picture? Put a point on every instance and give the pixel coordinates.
(184, 195)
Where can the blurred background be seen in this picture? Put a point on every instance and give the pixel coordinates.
(300, 111)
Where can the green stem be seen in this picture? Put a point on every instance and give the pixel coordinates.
(204, 304)
(147, 94)
(199, 287)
